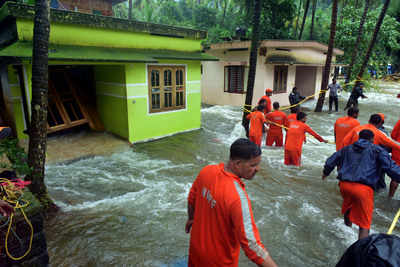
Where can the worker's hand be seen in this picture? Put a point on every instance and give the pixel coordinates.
(188, 226)
(323, 176)
(325, 141)
(365, 96)
(5, 208)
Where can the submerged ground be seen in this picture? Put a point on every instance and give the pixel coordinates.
(128, 208)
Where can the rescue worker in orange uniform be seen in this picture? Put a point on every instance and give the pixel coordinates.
(344, 125)
(274, 134)
(395, 156)
(292, 116)
(268, 93)
(361, 165)
(373, 124)
(295, 136)
(220, 217)
(257, 121)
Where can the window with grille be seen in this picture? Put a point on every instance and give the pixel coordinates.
(280, 79)
(234, 79)
(167, 88)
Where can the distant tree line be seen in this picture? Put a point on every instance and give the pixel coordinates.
(282, 19)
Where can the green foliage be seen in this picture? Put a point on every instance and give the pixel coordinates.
(16, 155)
(219, 17)
(278, 20)
(388, 42)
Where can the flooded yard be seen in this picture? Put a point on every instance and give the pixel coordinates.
(125, 205)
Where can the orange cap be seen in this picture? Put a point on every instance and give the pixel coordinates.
(268, 90)
(382, 116)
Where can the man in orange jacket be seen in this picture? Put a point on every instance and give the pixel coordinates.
(375, 121)
(344, 125)
(220, 218)
(395, 156)
(268, 93)
(295, 136)
(292, 116)
(257, 121)
(373, 124)
(274, 119)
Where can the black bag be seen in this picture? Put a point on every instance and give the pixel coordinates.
(377, 250)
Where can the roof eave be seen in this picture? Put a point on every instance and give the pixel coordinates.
(276, 43)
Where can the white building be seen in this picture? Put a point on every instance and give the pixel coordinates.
(281, 65)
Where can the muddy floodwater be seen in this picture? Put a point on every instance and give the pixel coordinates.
(127, 206)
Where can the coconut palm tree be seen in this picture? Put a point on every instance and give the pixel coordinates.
(314, 8)
(253, 62)
(38, 126)
(373, 40)
(327, 68)
(297, 18)
(304, 18)
(357, 43)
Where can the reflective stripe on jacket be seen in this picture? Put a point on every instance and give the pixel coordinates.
(223, 220)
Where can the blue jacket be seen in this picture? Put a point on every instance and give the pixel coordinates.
(362, 162)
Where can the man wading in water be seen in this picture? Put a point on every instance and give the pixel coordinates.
(220, 215)
(361, 165)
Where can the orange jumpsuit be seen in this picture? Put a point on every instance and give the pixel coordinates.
(396, 136)
(223, 221)
(342, 127)
(257, 121)
(290, 118)
(379, 137)
(295, 137)
(275, 132)
(268, 106)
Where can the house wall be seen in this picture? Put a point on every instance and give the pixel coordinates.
(68, 34)
(213, 80)
(13, 98)
(213, 75)
(111, 98)
(146, 126)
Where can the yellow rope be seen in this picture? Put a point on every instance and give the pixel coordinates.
(396, 218)
(13, 195)
(284, 127)
(304, 100)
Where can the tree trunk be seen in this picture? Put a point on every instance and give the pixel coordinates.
(327, 68)
(297, 19)
(38, 127)
(373, 40)
(304, 18)
(314, 8)
(253, 63)
(130, 10)
(224, 13)
(357, 44)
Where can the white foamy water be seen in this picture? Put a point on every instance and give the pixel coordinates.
(129, 208)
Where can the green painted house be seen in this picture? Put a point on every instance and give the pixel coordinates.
(138, 80)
